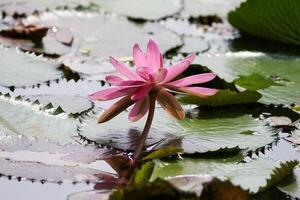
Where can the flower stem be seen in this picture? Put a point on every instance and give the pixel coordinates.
(139, 149)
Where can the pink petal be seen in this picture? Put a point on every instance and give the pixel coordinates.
(114, 80)
(195, 79)
(169, 103)
(153, 55)
(175, 70)
(198, 91)
(144, 72)
(160, 75)
(131, 83)
(139, 57)
(110, 93)
(115, 109)
(123, 69)
(140, 108)
(141, 92)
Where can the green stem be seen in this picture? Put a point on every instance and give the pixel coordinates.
(139, 149)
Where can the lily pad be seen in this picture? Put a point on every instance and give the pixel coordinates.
(71, 105)
(196, 8)
(194, 44)
(19, 145)
(213, 132)
(223, 97)
(255, 176)
(254, 82)
(115, 37)
(21, 118)
(37, 171)
(28, 7)
(269, 21)
(291, 184)
(25, 69)
(90, 195)
(142, 9)
(283, 71)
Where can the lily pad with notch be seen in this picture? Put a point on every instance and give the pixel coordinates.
(217, 131)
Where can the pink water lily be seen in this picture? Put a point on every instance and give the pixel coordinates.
(149, 82)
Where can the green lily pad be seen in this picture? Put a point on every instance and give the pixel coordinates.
(213, 132)
(142, 9)
(283, 71)
(25, 69)
(255, 176)
(222, 98)
(254, 82)
(21, 118)
(272, 19)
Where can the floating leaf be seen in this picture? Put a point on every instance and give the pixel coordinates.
(284, 71)
(116, 36)
(291, 184)
(142, 9)
(207, 187)
(37, 171)
(214, 131)
(257, 175)
(73, 105)
(91, 195)
(223, 97)
(196, 8)
(28, 7)
(18, 117)
(73, 153)
(254, 82)
(269, 20)
(158, 189)
(194, 44)
(30, 69)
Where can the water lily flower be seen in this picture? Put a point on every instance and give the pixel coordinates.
(150, 81)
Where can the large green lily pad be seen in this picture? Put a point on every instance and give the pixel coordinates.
(213, 132)
(284, 71)
(273, 19)
(19, 69)
(255, 176)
